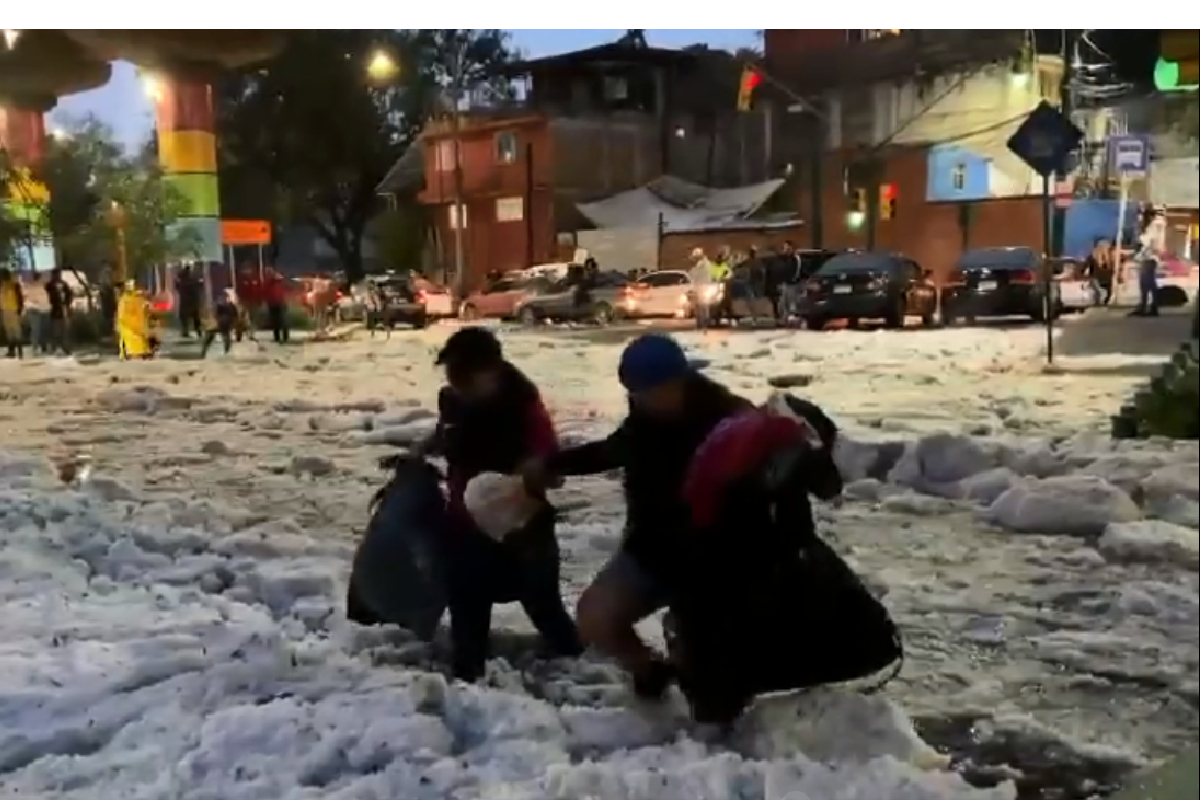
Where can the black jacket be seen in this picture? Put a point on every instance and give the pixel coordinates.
(654, 455)
(495, 435)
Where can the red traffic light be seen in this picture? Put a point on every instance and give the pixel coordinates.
(887, 191)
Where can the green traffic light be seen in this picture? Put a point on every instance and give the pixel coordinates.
(1166, 75)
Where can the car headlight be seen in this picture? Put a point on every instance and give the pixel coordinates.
(711, 293)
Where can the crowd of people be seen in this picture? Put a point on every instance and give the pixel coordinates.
(701, 466)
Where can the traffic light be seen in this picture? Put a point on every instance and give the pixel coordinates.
(887, 201)
(856, 208)
(1178, 66)
(751, 80)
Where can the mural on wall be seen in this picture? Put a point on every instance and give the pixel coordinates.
(956, 173)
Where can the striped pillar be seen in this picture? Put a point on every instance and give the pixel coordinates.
(24, 198)
(187, 152)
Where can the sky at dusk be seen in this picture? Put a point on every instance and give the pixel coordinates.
(123, 104)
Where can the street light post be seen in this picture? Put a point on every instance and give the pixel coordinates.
(456, 74)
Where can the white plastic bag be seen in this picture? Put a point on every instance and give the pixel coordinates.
(499, 504)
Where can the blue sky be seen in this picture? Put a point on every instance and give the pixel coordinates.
(123, 105)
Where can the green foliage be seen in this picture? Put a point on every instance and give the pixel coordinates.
(96, 186)
(399, 234)
(1170, 405)
(90, 179)
(308, 136)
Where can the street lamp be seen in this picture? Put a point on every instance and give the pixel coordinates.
(382, 67)
(152, 86)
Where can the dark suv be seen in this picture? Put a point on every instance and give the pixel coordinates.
(857, 286)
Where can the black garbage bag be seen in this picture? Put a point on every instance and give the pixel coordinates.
(762, 603)
(397, 577)
(798, 623)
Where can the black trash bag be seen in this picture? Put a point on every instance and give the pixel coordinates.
(766, 605)
(397, 577)
(803, 622)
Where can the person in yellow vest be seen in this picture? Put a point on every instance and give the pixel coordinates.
(134, 334)
(720, 269)
(12, 306)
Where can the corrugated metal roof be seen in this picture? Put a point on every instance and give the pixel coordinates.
(683, 206)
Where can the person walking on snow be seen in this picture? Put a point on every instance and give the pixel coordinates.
(12, 306)
(225, 316)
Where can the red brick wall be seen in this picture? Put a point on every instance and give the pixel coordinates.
(928, 232)
(482, 173)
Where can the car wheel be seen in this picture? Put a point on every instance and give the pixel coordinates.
(603, 314)
(815, 323)
(421, 321)
(928, 320)
(853, 322)
(528, 316)
(895, 317)
(469, 312)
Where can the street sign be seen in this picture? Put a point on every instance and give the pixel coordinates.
(1045, 140)
(1129, 155)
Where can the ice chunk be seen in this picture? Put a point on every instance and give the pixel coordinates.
(1151, 542)
(1068, 505)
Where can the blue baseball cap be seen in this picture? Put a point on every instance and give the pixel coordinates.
(651, 360)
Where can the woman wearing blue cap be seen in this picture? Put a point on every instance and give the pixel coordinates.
(672, 410)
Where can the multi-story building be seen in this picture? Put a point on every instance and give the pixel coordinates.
(587, 125)
(925, 115)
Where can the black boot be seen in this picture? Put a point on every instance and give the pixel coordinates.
(652, 681)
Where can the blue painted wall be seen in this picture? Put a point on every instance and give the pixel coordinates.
(1088, 220)
(942, 161)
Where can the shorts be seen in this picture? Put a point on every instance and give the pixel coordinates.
(645, 594)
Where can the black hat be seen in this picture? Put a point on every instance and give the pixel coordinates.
(470, 348)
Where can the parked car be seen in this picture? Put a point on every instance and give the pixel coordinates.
(353, 302)
(438, 300)
(393, 302)
(664, 293)
(857, 286)
(501, 298)
(998, 282)
(558, 302)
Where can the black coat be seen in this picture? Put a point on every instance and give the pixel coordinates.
(654, 455)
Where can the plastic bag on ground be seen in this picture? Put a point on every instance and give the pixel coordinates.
(499, 504)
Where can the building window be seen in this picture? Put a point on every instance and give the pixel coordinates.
(856, 36)
(510, 209)
(958, 177)
(443, 155)
(452, 215)
(616, 88)
(1049, 84)
(506, 147)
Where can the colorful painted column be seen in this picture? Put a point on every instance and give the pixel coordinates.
(24, 198)
(187, 153)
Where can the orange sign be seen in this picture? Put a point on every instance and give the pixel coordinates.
(236, 232)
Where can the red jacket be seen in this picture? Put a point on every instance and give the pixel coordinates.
(275, 290)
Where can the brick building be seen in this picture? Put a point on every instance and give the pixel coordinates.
(929, 112)
(589, 124)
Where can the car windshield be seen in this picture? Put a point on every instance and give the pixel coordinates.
(854, 262)
(997, 258)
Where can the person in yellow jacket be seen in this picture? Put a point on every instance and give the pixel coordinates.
(12, 306)
(720, 268)
(135, 335)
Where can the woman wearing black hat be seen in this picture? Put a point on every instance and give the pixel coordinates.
(492, 419)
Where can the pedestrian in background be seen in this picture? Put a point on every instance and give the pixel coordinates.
(37, 314)
(60, 298)
(12, 305)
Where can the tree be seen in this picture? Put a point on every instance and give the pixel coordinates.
(95, 186)
(309, 135)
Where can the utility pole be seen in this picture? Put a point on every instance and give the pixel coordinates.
(460, 221)
(1067, 106)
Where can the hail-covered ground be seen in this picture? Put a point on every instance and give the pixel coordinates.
(172, 623)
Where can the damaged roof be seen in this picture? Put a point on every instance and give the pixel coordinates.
(686, 207)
